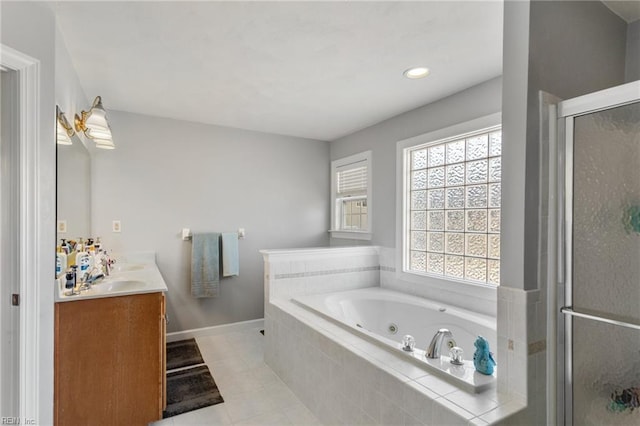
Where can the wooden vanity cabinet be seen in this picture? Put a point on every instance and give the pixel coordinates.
(110, 360)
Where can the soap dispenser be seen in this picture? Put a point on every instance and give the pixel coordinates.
(61, 261)
(71, 275)
(85, 262)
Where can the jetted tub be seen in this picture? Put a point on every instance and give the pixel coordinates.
(386, 316)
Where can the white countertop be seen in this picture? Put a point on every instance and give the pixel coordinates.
(133, 273)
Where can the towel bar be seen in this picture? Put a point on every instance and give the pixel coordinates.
(186, 234)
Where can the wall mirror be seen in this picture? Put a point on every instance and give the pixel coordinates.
(73, 189)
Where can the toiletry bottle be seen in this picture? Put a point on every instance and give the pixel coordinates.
(61, 261)
(71, 258)
(58, 262)
(71, 278)
(64, 245)
(84, 262)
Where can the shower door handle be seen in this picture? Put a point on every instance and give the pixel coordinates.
(569, 311)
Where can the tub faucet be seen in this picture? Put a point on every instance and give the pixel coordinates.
(435, 347)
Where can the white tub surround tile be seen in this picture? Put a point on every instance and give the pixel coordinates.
(475, 404)
(446, 412)
(437, 385)
(502, 412)
(361, 380)
(289, 273)
(522, 346)
(346, 379)
(477, 422)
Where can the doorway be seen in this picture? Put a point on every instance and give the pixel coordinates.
(26, 207)
(9, 249)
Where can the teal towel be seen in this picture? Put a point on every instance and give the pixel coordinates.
(205, 265)
(230, 262)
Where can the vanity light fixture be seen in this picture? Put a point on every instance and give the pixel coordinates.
(416, 72)
(94, 125)
(64, 131)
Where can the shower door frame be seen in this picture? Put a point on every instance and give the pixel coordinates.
(567, 111)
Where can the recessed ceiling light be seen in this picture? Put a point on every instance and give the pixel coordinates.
(417, 72)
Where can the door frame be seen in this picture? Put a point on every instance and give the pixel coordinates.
(31, 276)
(567, 111)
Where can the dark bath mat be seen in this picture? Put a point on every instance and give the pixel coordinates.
(183, 354)
(189, 390)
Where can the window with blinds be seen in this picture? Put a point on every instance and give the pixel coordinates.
(351, 185)
(352, 181)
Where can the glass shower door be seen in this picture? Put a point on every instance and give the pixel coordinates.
(602, 331)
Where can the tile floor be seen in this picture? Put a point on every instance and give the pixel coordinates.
(253, 394)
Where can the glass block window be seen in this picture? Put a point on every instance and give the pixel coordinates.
(452, 197)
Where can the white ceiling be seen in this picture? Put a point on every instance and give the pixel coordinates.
(319, 70)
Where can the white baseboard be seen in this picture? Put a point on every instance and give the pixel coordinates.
(216, 329)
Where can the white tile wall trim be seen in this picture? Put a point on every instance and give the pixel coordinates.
(326, 272)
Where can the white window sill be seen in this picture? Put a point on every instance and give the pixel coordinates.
(351, 235)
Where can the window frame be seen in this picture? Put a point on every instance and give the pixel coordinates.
(336, 230)
(441, 283)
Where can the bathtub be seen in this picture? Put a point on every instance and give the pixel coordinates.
(385, 316)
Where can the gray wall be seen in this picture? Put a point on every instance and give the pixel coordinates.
(381, 138)
(168, 174)
(29, 27)
(570, 49)
(566, 49)
(632, 71)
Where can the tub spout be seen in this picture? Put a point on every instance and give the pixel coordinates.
(439, 339)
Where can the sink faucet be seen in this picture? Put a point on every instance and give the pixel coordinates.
(435, 347)
(108, 264)
(94, 275)
(81, 284)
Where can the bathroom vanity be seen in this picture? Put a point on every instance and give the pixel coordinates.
(110, 350)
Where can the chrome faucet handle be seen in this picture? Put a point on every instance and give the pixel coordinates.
(456, 355)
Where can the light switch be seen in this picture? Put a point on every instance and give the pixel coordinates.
(115, 227)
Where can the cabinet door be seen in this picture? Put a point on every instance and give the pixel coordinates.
(107, 361)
